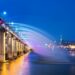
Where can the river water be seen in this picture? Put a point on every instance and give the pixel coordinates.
(34, 64)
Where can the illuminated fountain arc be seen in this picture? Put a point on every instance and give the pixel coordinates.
(40, 41)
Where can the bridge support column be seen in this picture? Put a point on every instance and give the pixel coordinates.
(4, 50)
(15, 48)
(12, 46)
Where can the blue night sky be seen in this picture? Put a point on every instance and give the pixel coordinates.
(56, 17)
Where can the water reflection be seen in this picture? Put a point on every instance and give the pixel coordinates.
(4, 69)
(15, 67)
(34, 64)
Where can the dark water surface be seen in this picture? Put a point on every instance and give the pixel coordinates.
(38, 66)
(34, 64)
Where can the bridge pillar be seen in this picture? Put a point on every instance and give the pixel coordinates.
(17, 46)
(4, 50)
(14, 52)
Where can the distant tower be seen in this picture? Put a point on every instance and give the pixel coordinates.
(61, 39)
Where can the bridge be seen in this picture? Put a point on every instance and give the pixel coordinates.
(11, 45)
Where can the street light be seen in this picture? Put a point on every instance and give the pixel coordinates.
(4, 13)
(12, 23)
